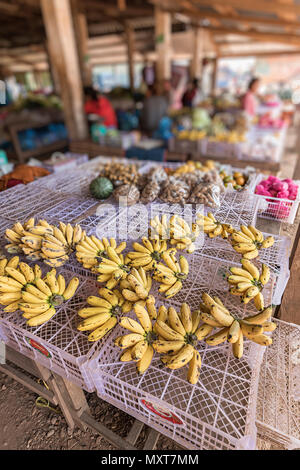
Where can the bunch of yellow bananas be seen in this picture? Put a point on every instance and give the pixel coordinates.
(138, 344)
(19, 235)
(249, 240)
(172, 275)
(56, 247)
(113, 269)
(90, 251)
(149, 255)
(216, 315)
(136, 286)
(44, 241)
(248, 282)
(102, 315)
(178, 336)
(12, 281)
(176, 230)
(39, 297)
(213, 227)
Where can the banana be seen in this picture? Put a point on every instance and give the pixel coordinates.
(251, 268)
(234, 279)
(61, 284)
(93, 322)
(257, 233)
(265, 274)
(182, 358)
(259, 301)
(173, 290)
(42, 318)
(126, 355)
(34, 309)
(166, 332)
(250, 329)
(221, 317)
(249, 294)
(132, 325)
(238, 346)
(241, 272)
(3, 264)
(12, 307)
(218, 337)
(262, 339)
(27, 272)
(138, 350)
(247, 232)
(36, 292)
(186, 317)
(162, 314)
(32, 299)
(234, 332)
(143, 317)
(91, 311)
(175, 322)
(16, 275)
(260, 318)
(52, 282)
(268, 242)
(269, 326)
(143, 364)
(10, 297)
(203, 331)
(194, 368)
(129, 340)
(13, 262)
(167, 347)
(71, 288)
(69, 234)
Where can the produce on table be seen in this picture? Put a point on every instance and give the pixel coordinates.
(237, 179)
(113, 268)
(249, 240)
(137, 345)
(178, 337)
(22, 287)
(233, 329)
(128, 192)
(171, 275)
(247, 282)
(213, 227)
(44, 241)
(275, 187)
(147, 255)
(191, 166)
(137, 285)
(90, 251)
(120, 174)
(101, 188)
(176, 230)
(103, 313)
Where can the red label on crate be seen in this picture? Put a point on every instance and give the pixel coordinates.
(35, 345)
(162, 412)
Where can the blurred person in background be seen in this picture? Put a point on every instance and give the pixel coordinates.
(97, 104)
(192, 96)
(155, 107)
(250, 99)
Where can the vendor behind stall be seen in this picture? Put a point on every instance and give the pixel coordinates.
(97, 104)
(155, 107)
(249, 101)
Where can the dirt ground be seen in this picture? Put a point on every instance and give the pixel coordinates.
(28, 427)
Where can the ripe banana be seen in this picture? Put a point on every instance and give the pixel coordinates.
(249, 240)
(213, 227)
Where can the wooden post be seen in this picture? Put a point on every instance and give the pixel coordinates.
(163, 46)
(197, 57)
(129, 34)
(82, 38)
(60, 33)
(214, 76)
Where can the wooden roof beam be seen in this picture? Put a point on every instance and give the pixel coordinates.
(284, 38)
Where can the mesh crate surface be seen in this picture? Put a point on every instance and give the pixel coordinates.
(219, 411)
(25, 202)
(57, 344)
(278, 406)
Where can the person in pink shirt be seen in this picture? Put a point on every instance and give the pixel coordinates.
(250, 101)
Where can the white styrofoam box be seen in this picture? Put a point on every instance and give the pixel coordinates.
(278, 404)
(219, 411)
(273, 208)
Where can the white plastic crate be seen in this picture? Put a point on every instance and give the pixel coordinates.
(218, 412)
(278, 405)
(25, 202)
(273, 208)
(69, 209)
(250, 171)
(222, 150)
(57, 344)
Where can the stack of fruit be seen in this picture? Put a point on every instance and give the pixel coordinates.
(232, 328)
(276, 188)
(237, 179)
(249, 240)
(44, 241)
(23, 287)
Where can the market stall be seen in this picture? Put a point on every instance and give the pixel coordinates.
(62, 337)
